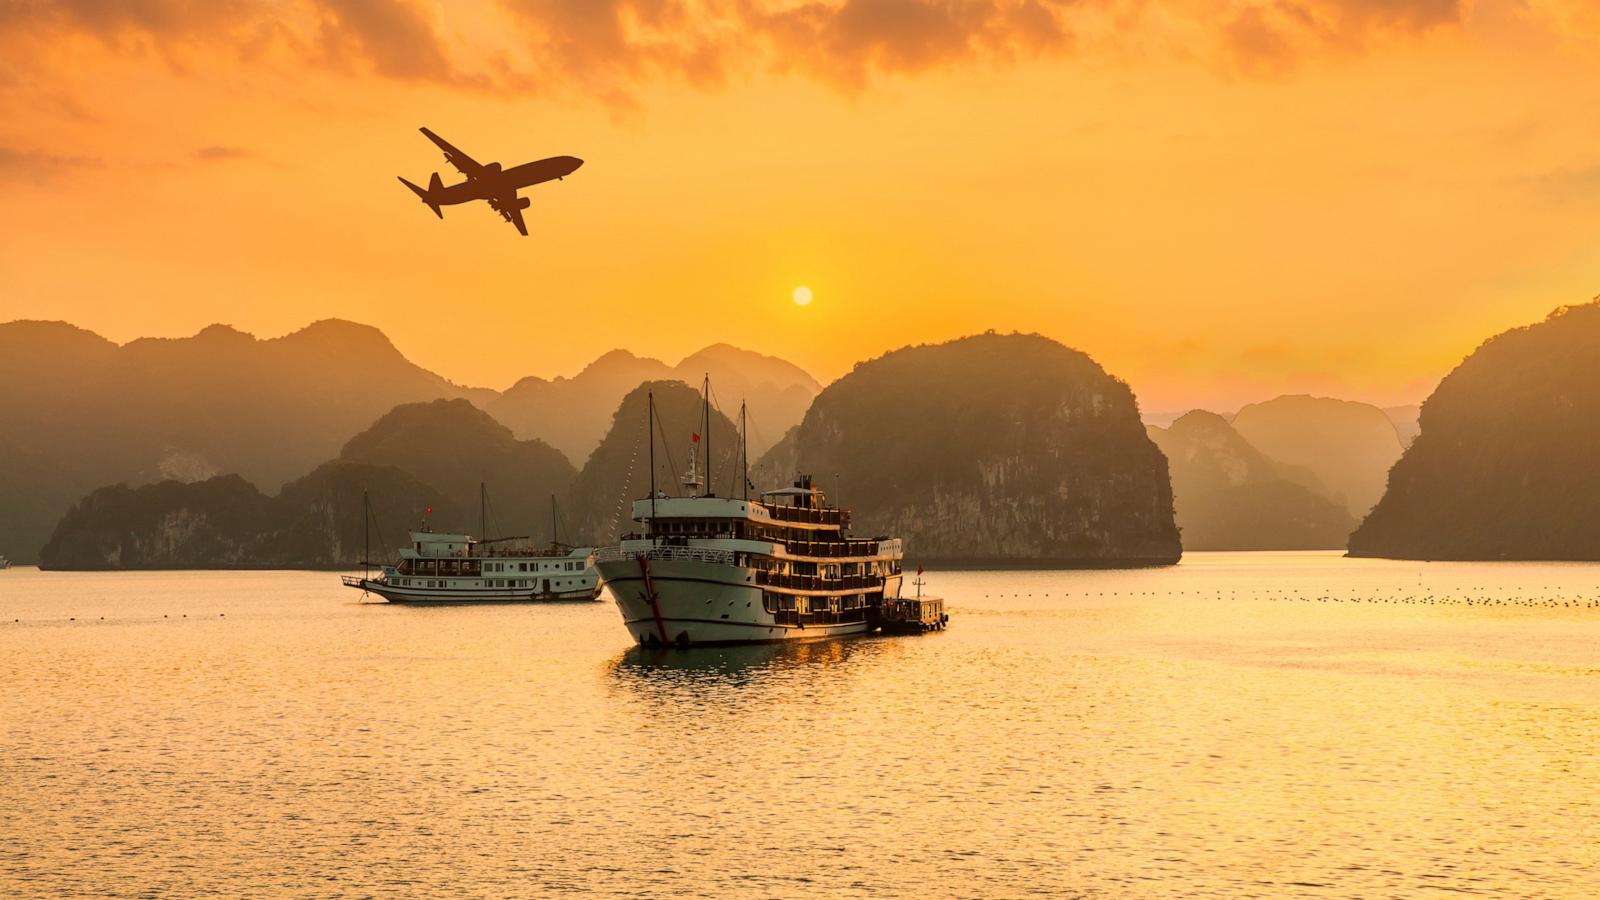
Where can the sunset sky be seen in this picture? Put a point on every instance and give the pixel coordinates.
(1219, 200)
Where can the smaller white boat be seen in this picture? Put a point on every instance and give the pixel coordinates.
(456, 568)
(4, 563)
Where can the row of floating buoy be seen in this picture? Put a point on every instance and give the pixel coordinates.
(1548, 601)
(1436, 600)
(163, 615)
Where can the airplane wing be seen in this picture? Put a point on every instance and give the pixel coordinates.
(510, 208)
(468, 166)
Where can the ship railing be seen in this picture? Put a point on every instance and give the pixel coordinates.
(818, 582)
(676, 554)
(352, 580)
(807, 515)
(831, 549)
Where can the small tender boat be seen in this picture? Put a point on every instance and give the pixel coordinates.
(912, 615)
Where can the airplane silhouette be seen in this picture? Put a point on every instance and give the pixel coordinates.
(487, 181)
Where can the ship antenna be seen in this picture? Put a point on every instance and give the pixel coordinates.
(744, 450)
(650, 426)
(483, 511)
(366, 536)
(705, 415)
(555, 536)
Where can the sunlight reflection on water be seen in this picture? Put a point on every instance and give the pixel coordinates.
(1240, 724)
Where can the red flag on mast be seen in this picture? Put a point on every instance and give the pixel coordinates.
(695, 437)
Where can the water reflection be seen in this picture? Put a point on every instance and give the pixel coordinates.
(1234, 726)
(654, 671)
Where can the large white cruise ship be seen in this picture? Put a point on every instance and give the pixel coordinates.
(455, 568)
(705, 569)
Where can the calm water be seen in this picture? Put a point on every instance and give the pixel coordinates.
(1241, 724)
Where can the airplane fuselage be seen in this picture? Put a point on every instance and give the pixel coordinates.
(489, 182)
(493, 181)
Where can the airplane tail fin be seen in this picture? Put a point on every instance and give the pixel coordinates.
(426, 195)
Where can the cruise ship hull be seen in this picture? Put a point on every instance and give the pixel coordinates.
(702, 603)
(443, 596)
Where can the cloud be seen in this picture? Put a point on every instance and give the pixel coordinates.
(1272, 38)
(221, 153)
(851, 40)
(393, 38)
(610, 49)
(17, 164)
(607, 43)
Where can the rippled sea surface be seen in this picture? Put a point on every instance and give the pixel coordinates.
(1241, 724)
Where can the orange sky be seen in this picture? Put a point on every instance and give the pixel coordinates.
(1220, 200)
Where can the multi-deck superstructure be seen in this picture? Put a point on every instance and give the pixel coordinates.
(455, 568)
(707, 569)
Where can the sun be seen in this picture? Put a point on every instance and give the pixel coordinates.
(802, 295)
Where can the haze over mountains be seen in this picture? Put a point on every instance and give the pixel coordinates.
(574, 413)
(417, 456)
(1231, 496)
(82, 412)
(987, 449)
(994, 449)
(1347, 446)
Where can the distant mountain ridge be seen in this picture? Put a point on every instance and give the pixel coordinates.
(82, 411)
(218, 402)
(573, 414)
(416, 457)
(1347, 445)
(1230, 496)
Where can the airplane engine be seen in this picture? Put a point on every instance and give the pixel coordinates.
(524, 202)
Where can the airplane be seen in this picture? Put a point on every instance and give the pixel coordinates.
(487, 181)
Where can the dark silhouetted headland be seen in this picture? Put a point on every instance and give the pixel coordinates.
(226, 523)
(992, 449)
(1505, 464)
(454, 447)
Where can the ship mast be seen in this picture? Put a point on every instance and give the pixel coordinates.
(744, 453)
(650, 426)
(705, 418)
